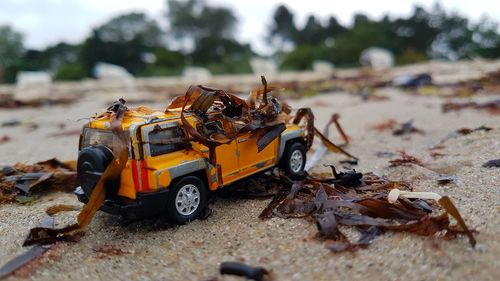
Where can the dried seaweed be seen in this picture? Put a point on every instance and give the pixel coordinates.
(22, 179)
(450, 208)
(47, 235)
(492, 164)
(407, 128)
(269, 135)
(362, 203)
(397, 128)
(109, 251)
(322, 149)
(385, 125)
(260, 113)
(492, 107)
(9, 102)
(405, 160)
(5, 139)
(22, 260)
(488, 83)
(240, 269)
(446, 179)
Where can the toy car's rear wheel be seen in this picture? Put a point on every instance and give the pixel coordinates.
(91, 164)
(187, 199)
(294, 159)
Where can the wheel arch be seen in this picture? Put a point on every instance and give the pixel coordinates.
(201, 174)
(198, 167)
(287, 140)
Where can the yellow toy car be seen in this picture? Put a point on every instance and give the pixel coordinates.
(169, 171)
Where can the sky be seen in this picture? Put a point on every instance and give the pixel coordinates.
(46, 22)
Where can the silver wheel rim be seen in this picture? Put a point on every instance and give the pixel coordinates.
(296, 161)
(187, 199)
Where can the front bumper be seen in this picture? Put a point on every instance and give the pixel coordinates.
(145, 205)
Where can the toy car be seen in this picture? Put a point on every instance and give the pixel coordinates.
(167, 175)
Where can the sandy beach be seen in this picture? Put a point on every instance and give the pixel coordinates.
(153, 250)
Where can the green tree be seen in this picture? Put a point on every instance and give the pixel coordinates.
(313, 32)
(302, 57)
(365, 33)
(11, 52)
(167, 63)
(210, 31)
(334, 28)
(129, 27)
(123, 40)
(454, 40)
(69, 72)
(416, 32)
(62, 53)
(283, 29)
(194, 19)
(486, 38)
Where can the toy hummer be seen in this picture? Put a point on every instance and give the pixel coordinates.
(168, 173)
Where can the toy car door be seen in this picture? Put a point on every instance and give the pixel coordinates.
(250, 159)
(226, 154)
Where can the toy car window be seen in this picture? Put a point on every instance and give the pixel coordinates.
(162, 141)
(210, 127)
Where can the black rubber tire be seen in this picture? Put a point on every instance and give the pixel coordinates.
(286, 163)
(172, 214)
(93, 159)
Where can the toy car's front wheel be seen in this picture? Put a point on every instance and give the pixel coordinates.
(294, 159)
(187, 199)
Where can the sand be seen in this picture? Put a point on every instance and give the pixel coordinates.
(157, 251)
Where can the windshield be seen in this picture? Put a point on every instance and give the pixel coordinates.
(96, 137)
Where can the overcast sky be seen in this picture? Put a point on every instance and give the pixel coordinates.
(46, 22)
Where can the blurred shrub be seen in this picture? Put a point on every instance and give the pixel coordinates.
(69, 72)
(167, 63)
(154, 70)
(9, 74)
(230, 66)
(410, 55)
(167, 58)
(302, 57)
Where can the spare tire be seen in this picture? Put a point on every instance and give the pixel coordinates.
(91, 164)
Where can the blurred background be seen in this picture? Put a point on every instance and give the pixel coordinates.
(74, 40)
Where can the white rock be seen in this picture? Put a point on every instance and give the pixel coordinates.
(320, 66)
(32, 85)
(26, 79)
(196, 74)
(376, 58)
(107, 71)
(262, 66)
